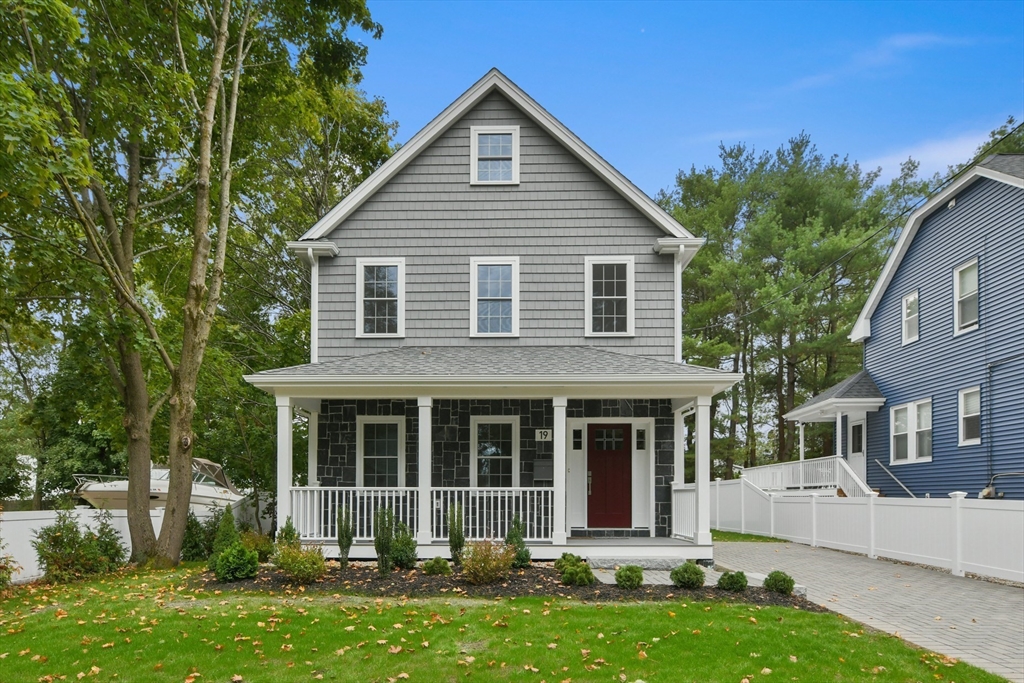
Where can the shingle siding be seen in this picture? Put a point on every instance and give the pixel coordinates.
(559, 213)
(986, 223)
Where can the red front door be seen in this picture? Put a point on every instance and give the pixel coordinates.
(609, 476)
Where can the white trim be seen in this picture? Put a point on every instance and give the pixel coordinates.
(381, 261)
(630, 263)
(912, 430)
(494, 80)
(362, 420)
(961, 441)
(826, 410)
(903, 317)
(956, 297)
(862, 328)
(474, 421)
(474, 283)
(474, 152)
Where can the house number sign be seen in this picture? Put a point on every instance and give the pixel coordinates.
(543, 435)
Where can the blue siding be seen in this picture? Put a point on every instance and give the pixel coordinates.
(987, 223)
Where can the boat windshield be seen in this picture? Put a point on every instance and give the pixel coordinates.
(160, 475)
(200, 478)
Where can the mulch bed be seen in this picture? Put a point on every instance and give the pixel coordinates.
(540, 580)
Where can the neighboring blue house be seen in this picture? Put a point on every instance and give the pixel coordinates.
(939, 406)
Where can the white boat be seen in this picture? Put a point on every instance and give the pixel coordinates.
(210, 487)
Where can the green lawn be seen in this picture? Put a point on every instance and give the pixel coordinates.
(150, 626)
(734, 536)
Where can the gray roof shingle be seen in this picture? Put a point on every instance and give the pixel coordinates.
(859, 385)
(1010, 164)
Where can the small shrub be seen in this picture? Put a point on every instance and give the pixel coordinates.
(263, 545)
(514, 538)
(566, 560)
(193, 546)
(227, 536)
(456, 534)
(734, 582)
(579, 574)
(779, 582)
(487, 562)
(288, 535)
(384, 539)
(210, 526)
(303, 565)
(629, 577)
(688, 575)
(346, 534)
(403, 550)
(8, 567)
(66, 552)
(235, 563)
(437, 567)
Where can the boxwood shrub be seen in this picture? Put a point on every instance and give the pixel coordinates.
(688, 575)
(734, 582)
(629, 577)
(779, 582)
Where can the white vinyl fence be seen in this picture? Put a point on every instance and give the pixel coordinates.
(984, 537)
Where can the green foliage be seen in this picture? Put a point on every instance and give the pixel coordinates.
(262, 544)
(66, 552)
(629, 577)
(779, 582)
(734, 582)
(579, 574)
(235, 563)
(487, 562)
(403, 549)
(8, 567)
(108, 541)
(384, 539)
(304, 565)
(227, 536)
(688, 575)
(456, 534)
(566, 560)
(346, 534)
(514, 538)
(193, 546)
(437, 567)
(288, 534)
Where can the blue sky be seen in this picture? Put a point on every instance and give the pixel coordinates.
(655, 86)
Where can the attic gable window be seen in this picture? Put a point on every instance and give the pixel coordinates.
(380, 297)
(495, 155)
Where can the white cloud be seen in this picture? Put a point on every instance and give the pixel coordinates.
(935, 156)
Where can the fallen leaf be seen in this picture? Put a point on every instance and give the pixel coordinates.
(765, 671)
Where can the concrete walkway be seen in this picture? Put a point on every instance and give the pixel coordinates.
(976, 621)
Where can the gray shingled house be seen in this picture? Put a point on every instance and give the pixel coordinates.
(496, 323)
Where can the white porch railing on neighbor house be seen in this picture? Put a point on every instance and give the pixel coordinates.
(816, 473)
(488, 512)
(315, 510)
(684, 511)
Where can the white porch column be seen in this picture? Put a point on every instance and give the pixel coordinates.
(284, 459)
(839, 433)
(314, 433)
(679, 465)
(702, 534)
(801, 455)
(559, 532)
(424, 467)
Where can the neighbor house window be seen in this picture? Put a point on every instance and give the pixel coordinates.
(495, 449)
(380, 294)
(970, 416)
(380, 451)
(965, 294)
(609, 296)
(911, 430)
(910, 318)
(494, 297)
(494, 152)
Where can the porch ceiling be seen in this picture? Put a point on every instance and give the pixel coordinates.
(493, 371)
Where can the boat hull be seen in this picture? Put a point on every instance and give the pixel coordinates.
(113, 495)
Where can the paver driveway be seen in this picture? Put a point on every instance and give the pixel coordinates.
(976, 621)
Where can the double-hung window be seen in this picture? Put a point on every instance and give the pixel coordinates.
(494, 297)
(495, 449)
(494, 155)
(911, 432)
(380, 451)
(610, 299)
(380, 297)
(910, 318)
(965, 297)
(970, 416)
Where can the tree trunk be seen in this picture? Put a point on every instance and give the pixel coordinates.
(790, 393)
(748, 396)
(780, 401)
(138, 425)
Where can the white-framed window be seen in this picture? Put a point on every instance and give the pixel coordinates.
(380, 297)
(380, 451)
(494, 297)
(494, 155)
(969, 409)
(965, 297)
(910, 318)
(610, 299)
(911, 432)
(494, 450)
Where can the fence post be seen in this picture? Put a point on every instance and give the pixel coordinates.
(958, 532)
(814, 520)
(743, 506)
(871, 525)
(771, 515)
(718, 502)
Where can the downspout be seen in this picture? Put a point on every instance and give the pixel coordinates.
(314, 305)
(677, 292)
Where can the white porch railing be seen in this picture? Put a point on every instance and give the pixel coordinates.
(488, 512)
(315, 510)
(816, 473)
(684, 511)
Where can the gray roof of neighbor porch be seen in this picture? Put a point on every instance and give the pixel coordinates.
(858, 392)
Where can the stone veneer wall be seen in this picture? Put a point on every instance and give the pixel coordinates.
(336, 438)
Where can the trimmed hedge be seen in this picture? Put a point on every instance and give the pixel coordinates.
(779, 582)
(734, 582)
